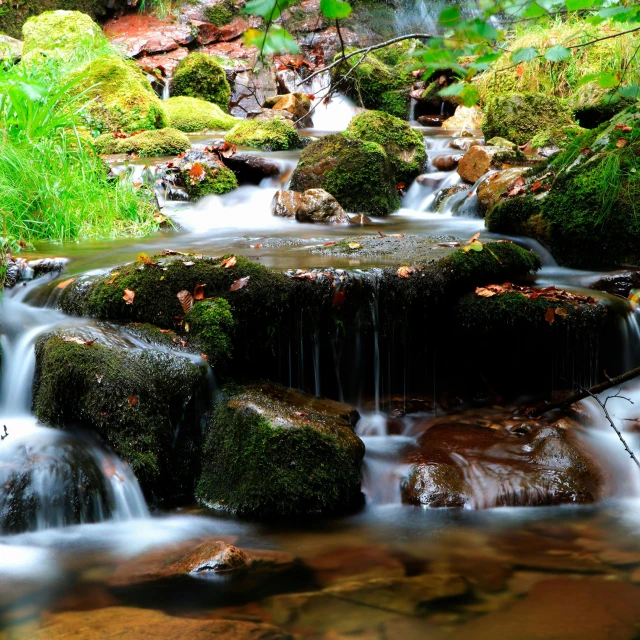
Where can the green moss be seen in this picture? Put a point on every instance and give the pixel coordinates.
(221, 13)
(148, 144)
(397, 54)
(357, 173)
(520, 116)
(214, 180)
(253, 465)
(192, 114)
(557, 137)
(59, 34)
(273, 135)
(404, 145)
(200, 76)
(212, 322)
(135, 400)
(119, 96)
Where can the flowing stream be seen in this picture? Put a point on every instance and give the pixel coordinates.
(88, 511)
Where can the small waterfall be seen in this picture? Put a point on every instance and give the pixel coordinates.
(333, 115)
(166, 89)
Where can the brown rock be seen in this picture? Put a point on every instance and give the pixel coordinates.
(464, 118)
(446, 162)
(490, 189)
(431, 120)
(463, 144)
(312, 205)
(166, 63)
(478, 160)
(286, 203)
(250, 168)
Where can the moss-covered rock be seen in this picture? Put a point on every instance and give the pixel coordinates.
(148, 144)
(60, 34)
(274, 135)
(119, 96)
(272, 451)
(200, 76)
(404, 145)
(357, 173)
(137, 401)
(202, 177)
(212, 322)
(192, 114)
(520, 116)
(221, 13)
(556, 138)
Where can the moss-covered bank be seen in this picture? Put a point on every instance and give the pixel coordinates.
(148, 144)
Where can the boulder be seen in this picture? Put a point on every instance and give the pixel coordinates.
(448, 162)
(200, 76)
(10, 48)
(313, 205)
(221, 13)
(192, 115)
(202, 173)
(118, 95)
(518, 117)
(404, 146)
(494, 186)
(148, 144)
(466, 118)
(275, 135)
(296, 104)
(478, 160)
(357, 173)
(250, 168)
(273, 451)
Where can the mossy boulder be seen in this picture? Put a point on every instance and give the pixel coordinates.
(118, 96)
(376, 84)
(272, 451)
(200, 76)
(148, 144)
(584, 209)
(202, 174)
(273, 135)
(518, 117)
(192, 114)
(404, 146)
(357, 173)
(556, 138)
(145, 404)
(60, 34)
(221, 13)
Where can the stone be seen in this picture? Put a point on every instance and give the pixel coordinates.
(297, 104)
(447, 162)
(10, 48)
(200, 76)
(202, 173)
(162, 63)
(192, 115)
(313, 205)
(431, 120)
(495, 185)
(468, 118)
(285, 204)
(251, 169)
(463, 144)
(478, 160)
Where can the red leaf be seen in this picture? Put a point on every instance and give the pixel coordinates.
(550, 315)
(186, 300)
(229, 262)
(133, 401)
(240, 284)
(198, 292)
(339, 298)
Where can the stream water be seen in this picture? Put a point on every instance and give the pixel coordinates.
(534, 571)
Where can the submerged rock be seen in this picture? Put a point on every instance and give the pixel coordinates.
(192, 114)
(272, 451)
(200, 76)
(357, 173)
(273, 135)
(312, 205)
(250, 168)
(147, 144)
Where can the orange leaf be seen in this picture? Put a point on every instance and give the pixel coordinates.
(561, 312)
(129, 296)
(65, 283)
(196, 172)
(519, 70)
(485, 293)
(133, 401)
(621, 142)
(240, 284)
(198, 292)
(550, 315)
(229, 262)
(186, 300)
(536, 185)
(339, 298)
(405, 272)
(473, 238)
(329, 244)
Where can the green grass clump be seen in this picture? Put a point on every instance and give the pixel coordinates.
(273, 135)
(192, 114)
(148, 144)
(200, 76)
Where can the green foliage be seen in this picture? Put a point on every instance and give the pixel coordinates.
(200, 76)
(273, 135)
(212, 322)
(148, 144)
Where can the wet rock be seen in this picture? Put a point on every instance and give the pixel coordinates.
(202, 173)
(250, 89)
(150, 624)
(145, 34)
(10, 48)
(313, 205)
(478, 160)
(619, 284)
(163, 63)
(200, 76)
(446, 162)
(251, 169)
(272, 451)
(494, 186)
(465, 118)
(297, 104)
(274, 135)
(431, 120)
(328, 42)
(463, 144)
(358, 174)
(432, 180)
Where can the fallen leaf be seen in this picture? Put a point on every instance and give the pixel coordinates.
(186, 300)
(520, 70)
(133, 401)
(229, 262)
(196, 172)
(143, 257)
(536, 185)
(473, 238)
(621, 142)
(255, 246)
(550, 315)
(405, 272)
(354, 245)
(485, 293)
(240, 284)
(198, 292)
(474, 246)
(561, 312)
(165, 330)
(65, 283)
(329, 244)
(625, 128)
(99, 378)
(129, 296)
(339, 298)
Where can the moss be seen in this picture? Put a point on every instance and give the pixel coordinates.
(221, 13)
(375, 84)
(135, 400)
(212, 322)
(59, 34)
(119, 96)
(148, 144)
(200, 76)
(404, 145)
(192, 114)
(262, 462)
(213, 180)
(398, 53)
(557, 137)
(274, 135)
(357, 173)
(520, 116)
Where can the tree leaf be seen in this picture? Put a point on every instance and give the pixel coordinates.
(454, 89)
(406, 272)
(129, 296)
(268, 9)
(534, 10)
(240, 284)
(335, 9)
(449, 16)
(577, 5)
(550, 315)
(186, 300)
(229, 262)
(354, 245)
(524, 55)
(557, 53)
(65, 283)
(198, 292)
(275, 40)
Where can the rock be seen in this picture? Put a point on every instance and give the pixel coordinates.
(468, 118)
(250, 168)
(165, 63)
(478, 160)
(448, 162)
(313, 205)
(119, 96)
(272, 451)
(431, 120)
(464, 144)
(494, 186)
(200, 76)
(276, 135)
(202, 173)
(619, 284)
(404, 146)
(144, 34)
(221, 13)
(192, 115)
(10, 48)
(520, 116)
(148, 144)
(501, 142)
(150, 624)
(358, 174)
(47, 265)
(297, 104)
(58, 34)
(133, 399)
